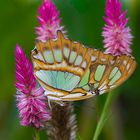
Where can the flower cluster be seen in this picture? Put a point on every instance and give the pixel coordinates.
(49, 21)
(117, 37)
(31, 101)
(25, 80)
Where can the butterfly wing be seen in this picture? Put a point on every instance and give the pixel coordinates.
(60, 64)
(68, 71)
(105, 73)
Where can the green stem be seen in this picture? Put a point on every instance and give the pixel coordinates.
(104, 115)
(37, 136)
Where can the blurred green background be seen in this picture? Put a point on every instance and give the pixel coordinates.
(83, 21)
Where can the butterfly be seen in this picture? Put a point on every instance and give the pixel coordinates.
(69, 71)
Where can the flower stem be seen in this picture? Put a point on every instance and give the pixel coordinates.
(37, 136)
(104, 115)
(63, 123)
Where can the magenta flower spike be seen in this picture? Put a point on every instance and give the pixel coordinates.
(25, 80)
(31, 102)
(49, 21)
(117, 37)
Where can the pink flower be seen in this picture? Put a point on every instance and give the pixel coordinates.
(117, 37)
(49, 21)
(32, 108)
(25, 80)
(31, 101)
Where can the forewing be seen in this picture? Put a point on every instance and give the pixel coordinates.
(60, 63)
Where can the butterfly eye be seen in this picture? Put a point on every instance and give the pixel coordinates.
(35, 50)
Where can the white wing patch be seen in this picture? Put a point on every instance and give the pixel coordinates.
(58, 55)
(48, 56)
(72, 56)
(39, 56)
(66, 52)
(78, 60)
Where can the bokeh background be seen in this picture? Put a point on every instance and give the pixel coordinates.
(83, 21)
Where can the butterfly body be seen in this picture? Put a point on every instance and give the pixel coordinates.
(68, 71)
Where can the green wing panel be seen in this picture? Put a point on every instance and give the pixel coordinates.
(85, 79)
(58, 79)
